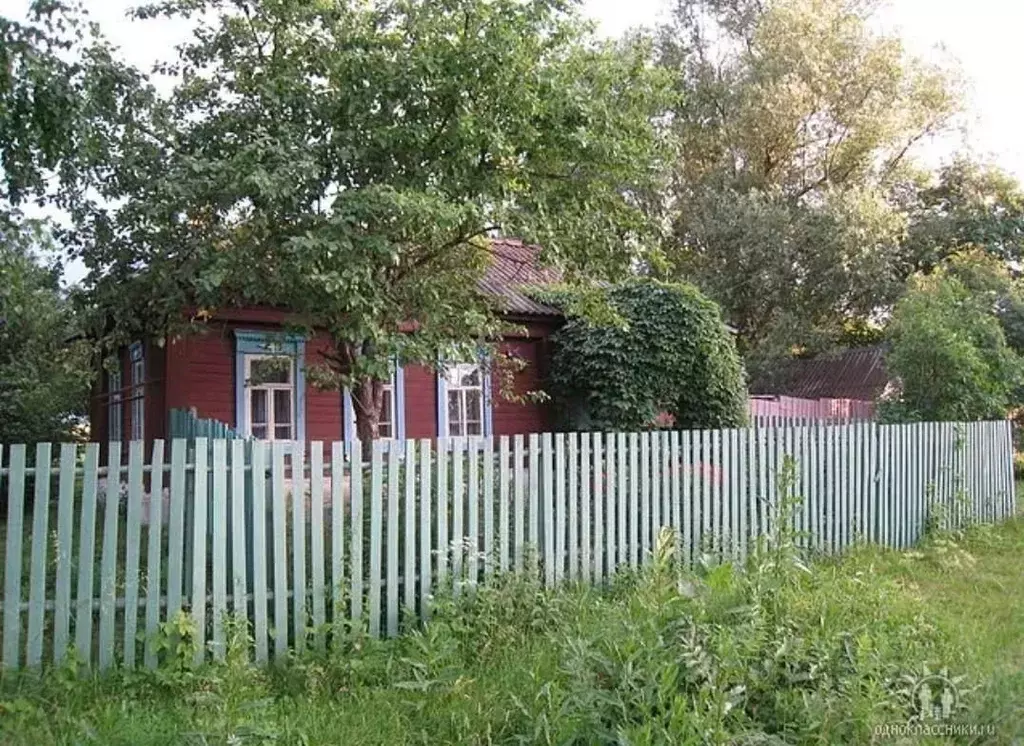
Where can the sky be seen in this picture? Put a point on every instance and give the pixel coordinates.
(982, 37)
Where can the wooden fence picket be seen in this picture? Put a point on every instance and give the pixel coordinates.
(37, 562)
(355, 472)
(376, 537)
(12, 557)
(472, 537)
(645, 496)
(596, 485)
(261, 629)
(548, 508)
(65, 519)
(86, 551)
(316, 540)
(488, 507)
(133, 545)
(393, 481)
(633, 517)
(573, 514)
(456, 545)
(426, 542)
(606, 465)
(339, 475)
(519, 478)
(505, 474)
(108, 557)
(409, 541)
(199, 539)
(219, 547)
(561, 504)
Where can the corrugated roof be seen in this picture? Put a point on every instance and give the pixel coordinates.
(514, 265)
(857, 373)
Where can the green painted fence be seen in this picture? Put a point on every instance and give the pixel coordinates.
(97, 557)
(184, 424)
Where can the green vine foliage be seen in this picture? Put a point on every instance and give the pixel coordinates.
(657, 348)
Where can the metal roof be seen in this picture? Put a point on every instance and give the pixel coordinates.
(857, 373)
(514, 265)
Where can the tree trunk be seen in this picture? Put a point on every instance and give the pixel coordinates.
(367, 400)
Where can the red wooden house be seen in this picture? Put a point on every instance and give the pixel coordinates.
(211, 375)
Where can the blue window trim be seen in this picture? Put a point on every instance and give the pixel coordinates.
(254, 342)
(115, 407)
(348, 413)
(442, 400)
(488, 402)
(137, 400)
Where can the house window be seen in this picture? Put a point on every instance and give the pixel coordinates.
(115, 408)
(270, 397)
(138, 371)
(270, 385)
(464, 386)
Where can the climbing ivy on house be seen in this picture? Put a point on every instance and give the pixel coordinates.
(657, 348)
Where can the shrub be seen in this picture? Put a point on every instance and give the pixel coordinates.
(663, 349)
(949, 355)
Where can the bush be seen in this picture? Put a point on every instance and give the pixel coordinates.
(949, 355)
(663, 349)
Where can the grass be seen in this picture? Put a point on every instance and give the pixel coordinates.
(778, 653)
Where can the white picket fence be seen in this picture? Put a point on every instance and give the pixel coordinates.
(216, 529)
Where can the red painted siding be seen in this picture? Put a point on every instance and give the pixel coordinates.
(323, 408)
(199, 372)
(420, 402)
(512, 418)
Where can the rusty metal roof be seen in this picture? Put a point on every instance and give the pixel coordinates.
(514, 265)
(857, 373)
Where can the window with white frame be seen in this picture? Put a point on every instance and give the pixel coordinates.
(138, 371)
(465, 391)
(115, 408)
(270, 397)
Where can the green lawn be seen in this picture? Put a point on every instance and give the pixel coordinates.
(781, 653)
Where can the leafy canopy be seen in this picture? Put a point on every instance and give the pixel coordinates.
(347, 161)
(968, 205)
(63, 99)
(45, 371)
(796, 120)
(666, 351)
(949, 353)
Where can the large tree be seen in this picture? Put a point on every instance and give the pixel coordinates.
(64, 100)
(348, 161)
(44, 363)
(795, 123)
(968, 204)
